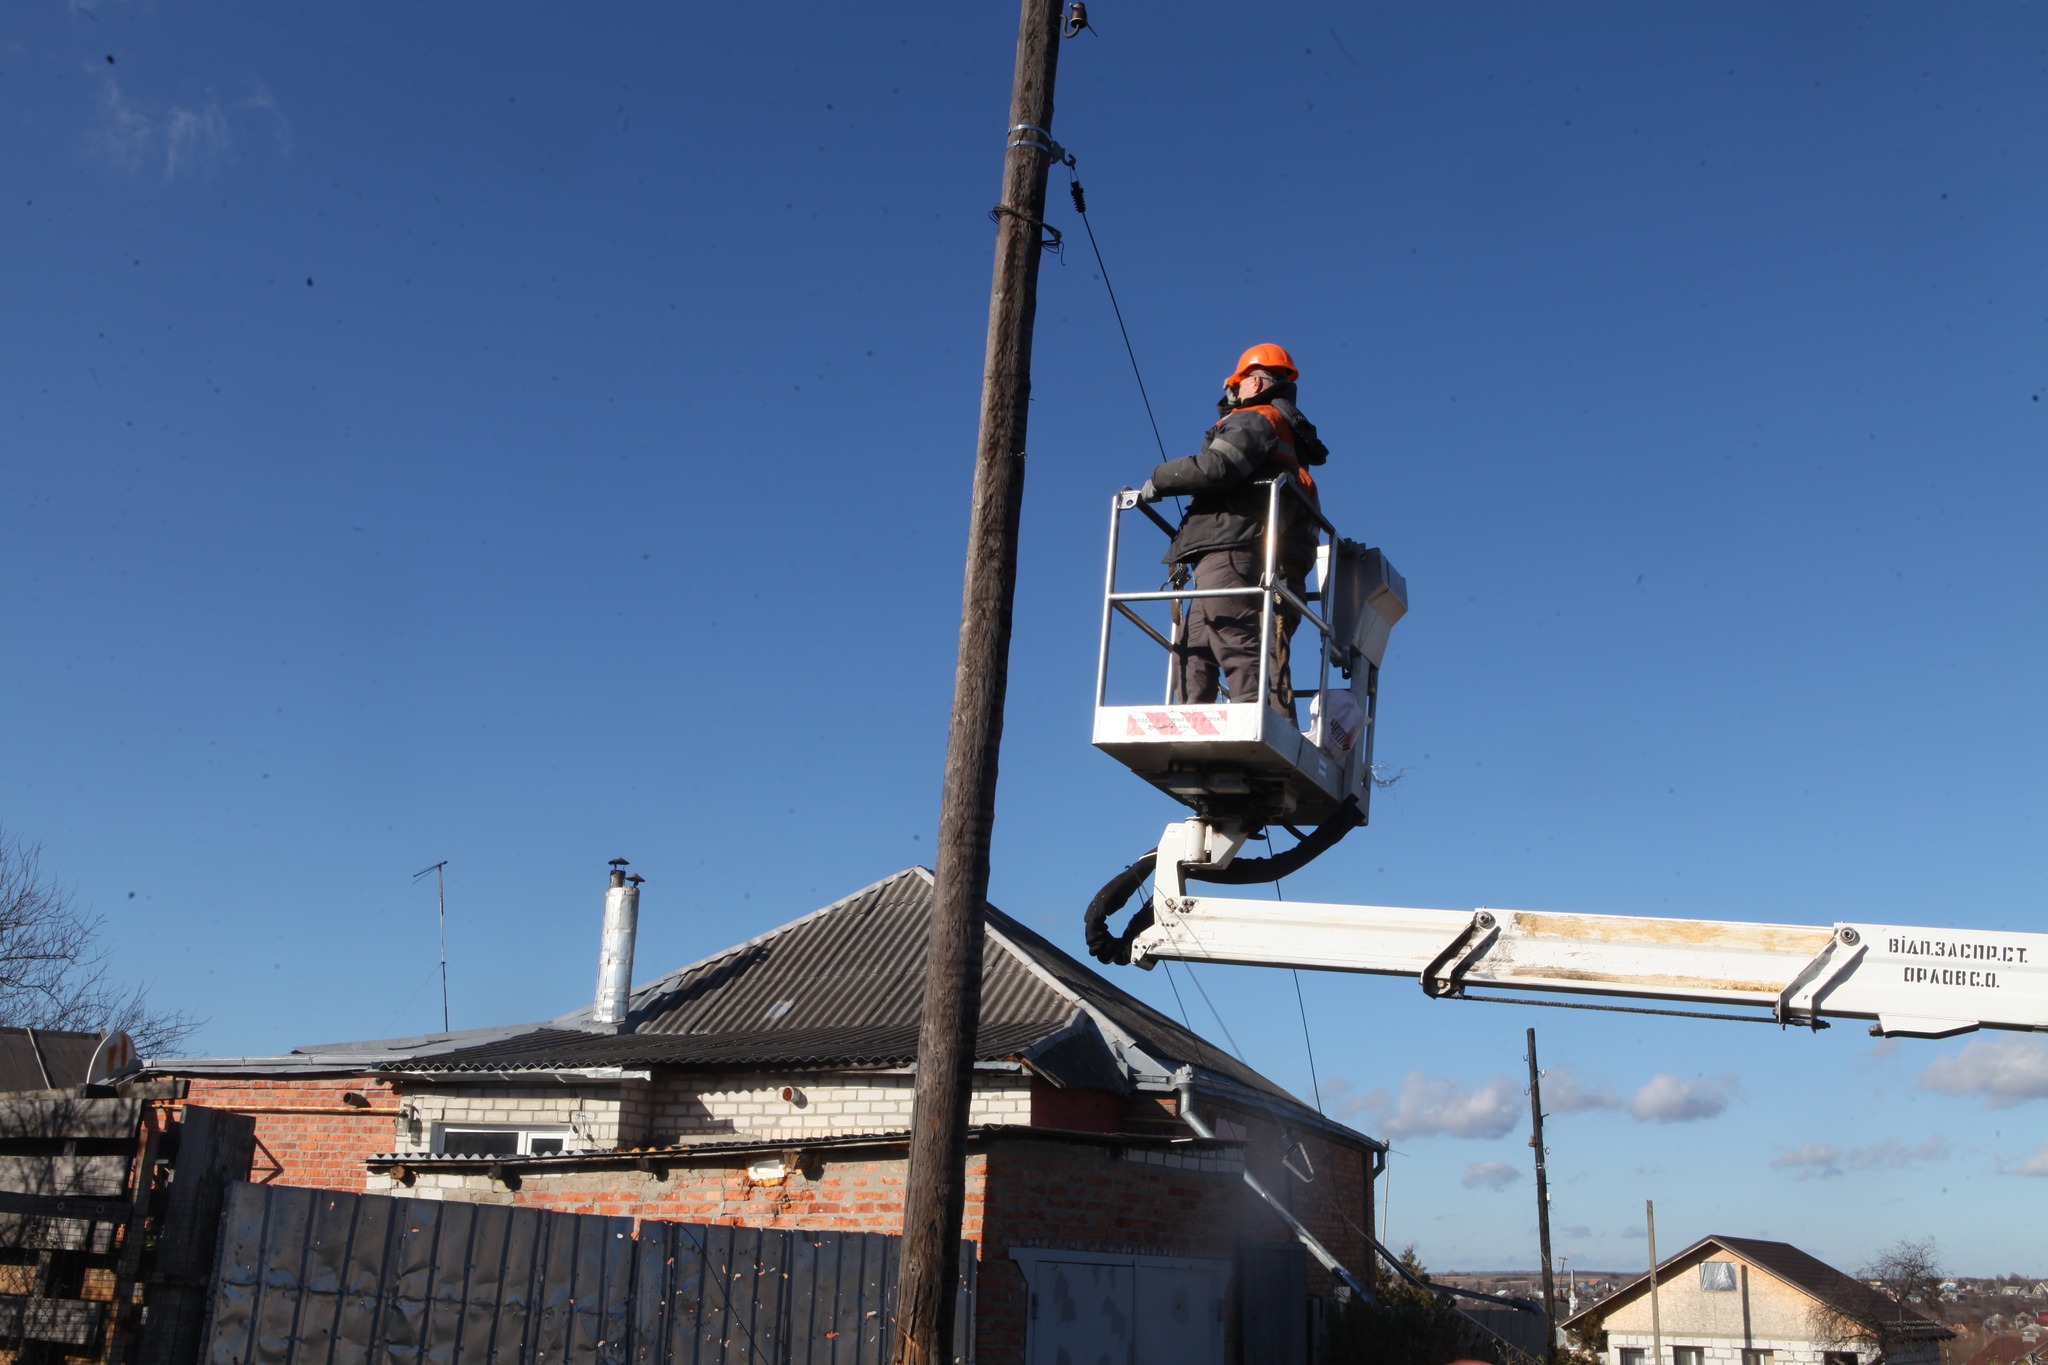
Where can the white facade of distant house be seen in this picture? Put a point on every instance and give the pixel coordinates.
(1723, 1311)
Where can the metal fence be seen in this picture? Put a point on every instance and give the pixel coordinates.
(321, 1277)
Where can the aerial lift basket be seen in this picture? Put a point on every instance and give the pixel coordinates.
(1250, 761)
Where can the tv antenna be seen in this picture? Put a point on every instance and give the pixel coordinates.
(441, 898)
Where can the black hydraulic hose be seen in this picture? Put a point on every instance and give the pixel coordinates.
(1244, 871)
(1108, 946)
(1102, 943)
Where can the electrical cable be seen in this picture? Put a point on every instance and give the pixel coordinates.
(1313, 1079)
(1185, 1022)
(1307, 1040)
(1081, 207)
(1231, 1038)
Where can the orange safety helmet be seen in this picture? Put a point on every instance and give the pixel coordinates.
(1264, 356)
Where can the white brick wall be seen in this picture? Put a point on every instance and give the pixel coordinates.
(745, 1107)
(1722, 1351)
(600, 1116)
(606, 1115)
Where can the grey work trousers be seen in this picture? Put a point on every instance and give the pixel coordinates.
(1220, 635)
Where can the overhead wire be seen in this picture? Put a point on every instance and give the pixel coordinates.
(1307, 1039)
(1080, 199)
(1167, 962)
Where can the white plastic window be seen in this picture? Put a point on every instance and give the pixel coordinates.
(493, 1141)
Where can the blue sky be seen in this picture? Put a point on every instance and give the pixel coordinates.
(526, 436)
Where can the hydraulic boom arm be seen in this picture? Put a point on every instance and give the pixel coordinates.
(1913, 982)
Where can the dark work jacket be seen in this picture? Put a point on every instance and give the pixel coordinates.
(1229, 505)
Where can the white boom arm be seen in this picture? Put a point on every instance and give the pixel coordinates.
(1913, 982)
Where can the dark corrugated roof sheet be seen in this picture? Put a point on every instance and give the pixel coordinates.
(859, 962)
(1159, 1035)
(27, 1054)
(1846, 1295)
(842, 987)
(814, 1049)
(1850, 1297)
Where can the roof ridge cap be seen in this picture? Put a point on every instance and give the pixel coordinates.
(639, 997)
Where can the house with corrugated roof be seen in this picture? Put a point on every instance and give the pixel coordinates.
(1746, 1301)
(770, 1084)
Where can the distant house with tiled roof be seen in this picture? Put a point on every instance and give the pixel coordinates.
(1746, 1301)
(770, 1084)
(2029, 1349)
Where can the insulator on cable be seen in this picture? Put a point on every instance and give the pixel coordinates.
(1080, 200)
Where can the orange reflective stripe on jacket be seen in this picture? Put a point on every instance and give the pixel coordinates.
(1285, 431)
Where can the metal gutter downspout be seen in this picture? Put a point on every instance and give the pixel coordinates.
(1185, 1086)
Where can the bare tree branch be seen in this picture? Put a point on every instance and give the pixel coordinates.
(1907, 1279)
(53, 969)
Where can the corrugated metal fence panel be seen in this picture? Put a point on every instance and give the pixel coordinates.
(714, 1295)
(319, 1277)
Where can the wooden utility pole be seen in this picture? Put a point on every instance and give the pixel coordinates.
(1542, 1186)
(936, 1186)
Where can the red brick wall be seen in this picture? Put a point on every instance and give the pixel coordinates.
(1076, 1111)
(1061, 1194)
(851, 1195)
(1022, 1191)
(1333, 1206)
(307, 1133)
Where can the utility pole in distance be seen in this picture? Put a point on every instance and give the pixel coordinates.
(1542, 1188)
(935, 1188)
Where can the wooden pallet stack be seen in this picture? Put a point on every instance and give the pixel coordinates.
(109, 1213)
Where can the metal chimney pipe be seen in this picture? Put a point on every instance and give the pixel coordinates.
(615, 958)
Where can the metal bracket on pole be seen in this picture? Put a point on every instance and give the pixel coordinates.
(1811, 974)
(1468, 947)
(1043, 142)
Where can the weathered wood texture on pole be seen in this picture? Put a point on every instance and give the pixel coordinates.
(936, 1186)
(1542, 1188)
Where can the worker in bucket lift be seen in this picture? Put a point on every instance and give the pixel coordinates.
(1221, 542)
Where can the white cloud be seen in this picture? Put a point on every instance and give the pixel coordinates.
(1494, 1175)
(2001, 1071)
(2037, 1164)
(127, 135)
(1894, 1155)
(1820, 1160)
(1635, 1230)
(1427, 1107)
(1813, 1161)
(1667, 1099)
(1565, 1093)
(196, 138)
(262, 102)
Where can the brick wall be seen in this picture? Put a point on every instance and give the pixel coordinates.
(1059, 1194)
(1335, 1206)
(1022, 1191)
(858, 1193)
(309, 1130)
(600, 1116)
(753, 1106)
